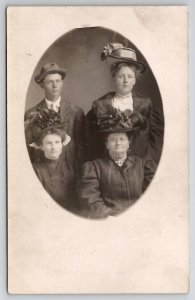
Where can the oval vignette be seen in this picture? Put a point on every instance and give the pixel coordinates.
(88, 77)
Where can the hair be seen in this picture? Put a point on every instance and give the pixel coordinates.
(115, 68)
(56, 131)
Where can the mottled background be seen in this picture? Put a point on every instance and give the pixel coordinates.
(88, 76)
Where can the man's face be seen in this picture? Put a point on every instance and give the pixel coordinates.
(52, 146)
(124, 80)
(53, 85)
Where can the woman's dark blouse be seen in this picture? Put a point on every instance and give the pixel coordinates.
(107, 189)
(57, 177)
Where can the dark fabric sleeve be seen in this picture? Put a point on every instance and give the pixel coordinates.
(156, 132)
(89, 192)
(79, 137)
(36, 168)
(28, 130)
(94, 144)
(28, 122)
(149, 167)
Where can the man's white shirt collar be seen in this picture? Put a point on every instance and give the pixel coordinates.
(53, 105)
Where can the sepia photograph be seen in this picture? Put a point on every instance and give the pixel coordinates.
(94, 122)
(97, 149)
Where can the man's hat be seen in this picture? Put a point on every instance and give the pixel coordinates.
(115, 53)
(50, 68)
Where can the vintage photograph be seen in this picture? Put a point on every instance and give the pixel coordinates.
(97, 150)
(94, 122)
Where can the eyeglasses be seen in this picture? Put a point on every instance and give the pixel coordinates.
(114, 140)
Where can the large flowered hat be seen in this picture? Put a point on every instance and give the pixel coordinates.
(115, 53)
(43, 121)
(111, 120)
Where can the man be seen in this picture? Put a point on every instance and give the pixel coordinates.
(50, 80)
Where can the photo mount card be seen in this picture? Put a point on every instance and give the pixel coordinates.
(53, 248)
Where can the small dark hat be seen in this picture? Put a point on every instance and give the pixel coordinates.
(50, 68)
(116, 53)
(111, 120)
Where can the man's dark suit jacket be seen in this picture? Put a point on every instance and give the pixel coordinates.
(147, 145)
(74, 119)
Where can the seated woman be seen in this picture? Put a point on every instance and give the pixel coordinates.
(53, 169)
(111, 184)
(125, 71)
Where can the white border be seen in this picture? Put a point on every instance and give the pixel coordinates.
(3, 271)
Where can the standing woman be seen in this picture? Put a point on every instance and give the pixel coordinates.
(126, 70)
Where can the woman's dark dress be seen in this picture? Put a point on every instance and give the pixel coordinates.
(57, 177)
(107, 189)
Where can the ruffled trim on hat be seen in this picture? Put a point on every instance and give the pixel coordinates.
(111, 119)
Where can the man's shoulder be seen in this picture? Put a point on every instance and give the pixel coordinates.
(66, 104)
(34, 108)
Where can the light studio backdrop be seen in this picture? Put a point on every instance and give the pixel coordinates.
(144, 250)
